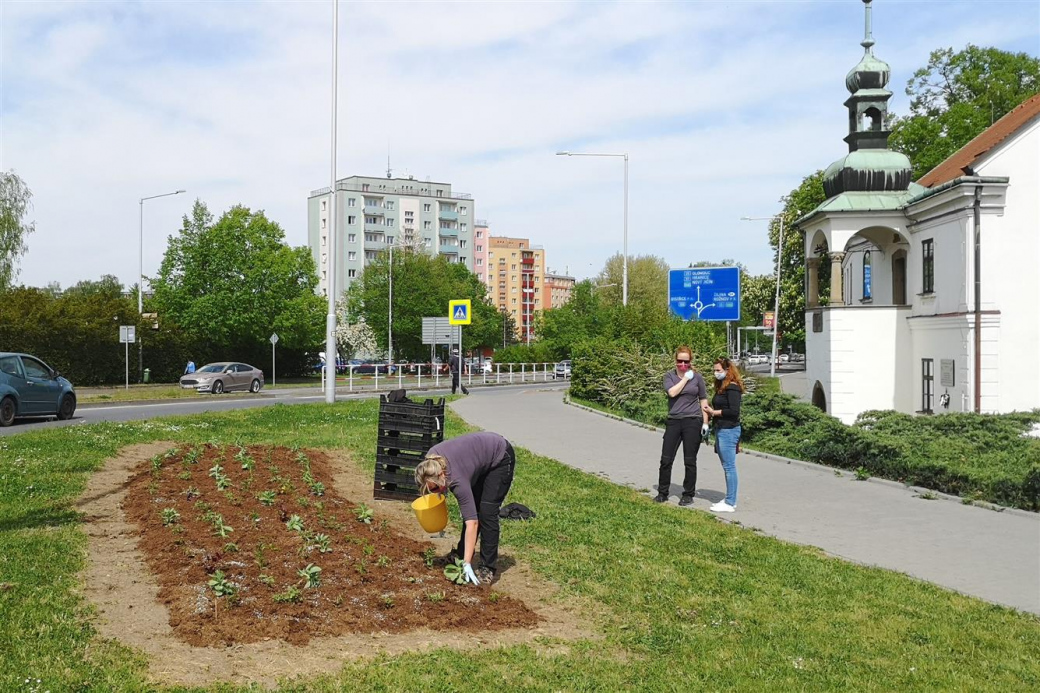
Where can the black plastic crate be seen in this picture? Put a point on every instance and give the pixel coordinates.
(411, 409)
(417, 444)
(411, 424)
(391, 491)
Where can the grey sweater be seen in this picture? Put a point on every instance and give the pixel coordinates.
(687, 404)
(470, 457)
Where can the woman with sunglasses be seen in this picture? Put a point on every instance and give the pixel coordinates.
(687, 423)
(725, 413)
(478, 469)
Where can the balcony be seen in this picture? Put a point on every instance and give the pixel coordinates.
(448, 214)
(452, 233)
(374, 210)
(449, 249)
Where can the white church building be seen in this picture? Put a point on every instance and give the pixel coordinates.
(934, 299)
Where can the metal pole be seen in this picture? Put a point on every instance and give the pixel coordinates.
(274, 379)
(390, 309)
(776, 302)
(977, 243)
(127, 345)
(330, 336)
(624, 265)
(140, 292)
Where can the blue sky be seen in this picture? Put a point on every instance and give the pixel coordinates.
(723, 108)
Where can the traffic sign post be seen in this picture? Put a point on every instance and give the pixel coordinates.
(127, 336)
(460, 313)
(274, 340)
(705, 293)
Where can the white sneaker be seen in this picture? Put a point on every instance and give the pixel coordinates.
(722, 507)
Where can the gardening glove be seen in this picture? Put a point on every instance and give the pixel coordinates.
(689, 375)
(704, 431)
(471, 577)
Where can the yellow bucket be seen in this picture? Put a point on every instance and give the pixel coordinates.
(431, 511)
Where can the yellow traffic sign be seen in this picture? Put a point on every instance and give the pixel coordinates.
(460, 312)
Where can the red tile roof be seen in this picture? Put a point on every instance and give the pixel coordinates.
(967, 155)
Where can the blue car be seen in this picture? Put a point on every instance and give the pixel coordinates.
(29, 387)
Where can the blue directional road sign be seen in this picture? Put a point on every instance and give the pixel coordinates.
(705, 293)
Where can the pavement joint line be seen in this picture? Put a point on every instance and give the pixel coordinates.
(917, 490)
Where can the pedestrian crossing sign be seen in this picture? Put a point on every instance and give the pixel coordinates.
(460, 312)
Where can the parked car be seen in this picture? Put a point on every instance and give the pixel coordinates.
(562, 370)
(369, 367)
(758, 359)
(29, 387)
(784, 358)
(226, 376)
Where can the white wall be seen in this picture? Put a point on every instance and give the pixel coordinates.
(1011, 270)
(860, 359)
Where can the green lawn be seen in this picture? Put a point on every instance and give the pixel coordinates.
(682, 601)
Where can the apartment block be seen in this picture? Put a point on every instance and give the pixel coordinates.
(556, 290)
(481, 249)
(376, 213)
(517, 271)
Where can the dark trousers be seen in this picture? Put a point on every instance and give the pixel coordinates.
(489, 491)
(689, 432)
(455, 384)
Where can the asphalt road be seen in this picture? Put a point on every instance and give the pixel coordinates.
(135, 411)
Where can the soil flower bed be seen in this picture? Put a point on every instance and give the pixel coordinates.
(254, 543)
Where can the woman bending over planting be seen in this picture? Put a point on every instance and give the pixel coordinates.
(478, 469)
(725, 413)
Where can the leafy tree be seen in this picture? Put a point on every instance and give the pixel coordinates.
(958, 95)
(423, 286)
(583, 317)
(15, 202)
(231, 283)
(354, 338)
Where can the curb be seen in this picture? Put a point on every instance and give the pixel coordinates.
(837, 471)
(167, 400)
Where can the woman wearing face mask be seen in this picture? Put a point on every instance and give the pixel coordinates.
(687, 423)
(725, 413)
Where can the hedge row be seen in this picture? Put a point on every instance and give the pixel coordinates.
(984, 457)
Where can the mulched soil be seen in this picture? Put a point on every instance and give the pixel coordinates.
(372, 579)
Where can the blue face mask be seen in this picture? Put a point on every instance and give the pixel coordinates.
(720, 376)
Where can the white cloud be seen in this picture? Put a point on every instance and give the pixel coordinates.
(723, 107)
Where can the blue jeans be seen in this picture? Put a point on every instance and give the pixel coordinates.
(727, 449)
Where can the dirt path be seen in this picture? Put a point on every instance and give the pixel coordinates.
(119, 583)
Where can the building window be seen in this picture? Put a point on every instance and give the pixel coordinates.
(408, 215)
(389, 221)
(352, 238)
(351, 219)
(352, 202)
(389, 204)
(323, 205)
(463, 211)
(867, 287)
(514, 301)
(426, 207)
(462, 259)
(390, 240)
(427, 225)
(462, 243)
(371, 220)
(928, 266)
(480, 262)
(480, 234)
(351, 273)
(927, 385)
(440, 193)
(352, 256)
(323, 239)
(463, 227)
(364, 187)
(479, 248)
(323, 222)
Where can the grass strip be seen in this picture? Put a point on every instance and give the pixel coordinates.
(683, 601)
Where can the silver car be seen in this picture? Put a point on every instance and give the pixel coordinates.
(224, 377)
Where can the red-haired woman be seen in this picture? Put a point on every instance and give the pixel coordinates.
(725, 413)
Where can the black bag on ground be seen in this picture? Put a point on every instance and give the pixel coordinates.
(516, 511)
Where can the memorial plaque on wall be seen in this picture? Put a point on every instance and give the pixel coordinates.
(946, 373)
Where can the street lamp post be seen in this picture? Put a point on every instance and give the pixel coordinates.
(330, 276)
(624, 257)
(776, 300)
(390, 307)
(140, 272)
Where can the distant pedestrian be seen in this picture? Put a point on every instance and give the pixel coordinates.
(478, 469)
(687, 423)
(190, 368)
(725, 414)
(455, 366)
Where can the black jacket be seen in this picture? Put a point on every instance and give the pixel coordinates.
(728, 402)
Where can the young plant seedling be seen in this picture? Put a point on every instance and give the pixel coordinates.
(245, 459)
(453, 571)
(862, 474)
(267, 497)
(184, 476)
(192, 492)
(435, 597)
(267, 580)
(363, 513)
(294, 524)
(311, 575)
(231, 547)
(291, 594)
(170, 516)
(428, 555)
(388, 601)
(383, 561)
(220, 585)
(322, 542)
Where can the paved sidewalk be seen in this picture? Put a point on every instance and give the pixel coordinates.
(988, 554)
